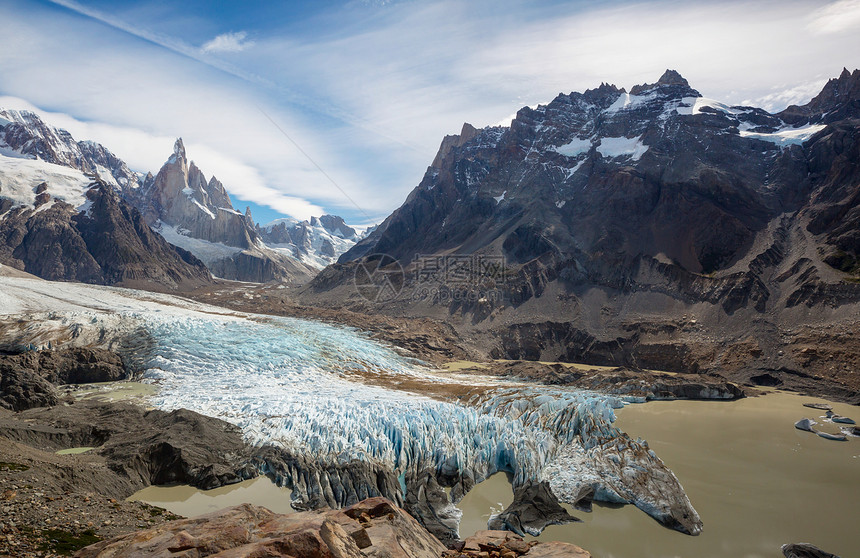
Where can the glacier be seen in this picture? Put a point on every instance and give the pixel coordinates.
(333, 397)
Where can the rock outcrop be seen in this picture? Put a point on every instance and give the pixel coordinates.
(27, 379)
(804, 550)
(372, 528)
(142, 447)
(504, 544)
(630, 384)
(534, 507)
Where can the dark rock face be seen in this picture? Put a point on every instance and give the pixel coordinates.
(145, 447)
(109, 244)
(22, 389)
(804, 550)
(619, 215)
(27, 379)
(534, 507)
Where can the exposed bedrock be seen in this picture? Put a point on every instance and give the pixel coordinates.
(637, 384)
(27, 379)
(142, 447)
(804, 550)
(534, 507)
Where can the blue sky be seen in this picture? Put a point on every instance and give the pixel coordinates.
(302, 108)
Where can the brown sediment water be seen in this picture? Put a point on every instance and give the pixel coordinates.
(136, 392)
(188, 501)
(75, 451)
(756, 481)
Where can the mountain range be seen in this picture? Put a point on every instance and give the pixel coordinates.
(49, 183)
(652, 228)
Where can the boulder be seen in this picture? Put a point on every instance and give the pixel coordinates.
(819, 406)
(557, 550)
(22, 389)
(372, 528)
(835, 437)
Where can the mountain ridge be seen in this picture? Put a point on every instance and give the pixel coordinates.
(619, 215)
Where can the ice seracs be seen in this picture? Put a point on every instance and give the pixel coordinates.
(329, 396)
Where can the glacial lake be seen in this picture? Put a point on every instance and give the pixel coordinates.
(756, 481)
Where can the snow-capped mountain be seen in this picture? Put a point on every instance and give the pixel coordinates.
(178, 202)
(59, 223)
(318, 242)
(619, 214)
(197, 215)
(23, 133)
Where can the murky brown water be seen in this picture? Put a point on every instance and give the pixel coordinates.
(189, 501)
(756, 481)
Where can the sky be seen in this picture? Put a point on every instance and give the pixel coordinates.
(305, 108)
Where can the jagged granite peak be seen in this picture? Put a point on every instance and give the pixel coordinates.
(181, 197)
(178, 151)
(197, 215)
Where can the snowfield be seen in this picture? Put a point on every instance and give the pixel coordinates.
(19, 178)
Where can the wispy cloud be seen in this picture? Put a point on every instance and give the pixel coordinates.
(368, 93)
(228, 42)
(784, 96)
(836, 17)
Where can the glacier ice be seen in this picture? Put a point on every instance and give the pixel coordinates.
(331, 393)
(333, 397)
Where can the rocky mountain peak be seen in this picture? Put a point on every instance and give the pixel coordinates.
(671, 77)
(178, 151)
(670, 82)
(451, 142)
(839, 98)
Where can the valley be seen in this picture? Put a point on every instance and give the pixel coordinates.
(614, 279)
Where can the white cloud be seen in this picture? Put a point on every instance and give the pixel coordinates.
(228, 42)
(784, 96)
(836, 17)
(368, 94)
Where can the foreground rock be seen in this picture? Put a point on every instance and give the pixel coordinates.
(804, 550)
(51, 502)
(374, 527)
(504, 544)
